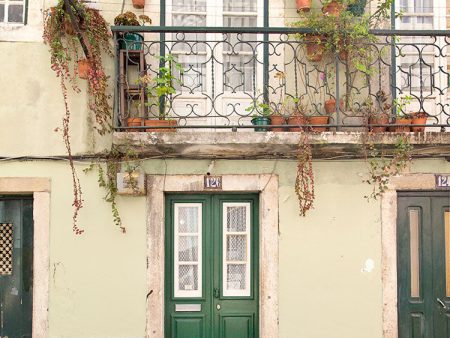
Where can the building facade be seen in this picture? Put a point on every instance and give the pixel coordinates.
(211, 241)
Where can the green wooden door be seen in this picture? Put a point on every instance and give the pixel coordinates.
(16, 261)
(423, 241)
(211, 266)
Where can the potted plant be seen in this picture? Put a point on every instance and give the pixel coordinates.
(138, 4)
(161, 93)
(303, 5)
(297, 117)
(317, 119)
(339, 33)
(131, 41)
(378, 114)
(261, 114)
(333, 7)
(402, 118)
(419, 118)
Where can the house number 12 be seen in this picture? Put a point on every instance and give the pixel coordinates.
(213, 182)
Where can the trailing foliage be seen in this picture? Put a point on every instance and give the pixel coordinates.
(304, 181)
(382, 168)
(70, 29)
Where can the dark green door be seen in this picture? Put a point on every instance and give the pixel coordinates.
(423, 241)
(16, 261)
(211, 266)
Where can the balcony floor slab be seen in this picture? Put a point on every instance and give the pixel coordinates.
(270, 145)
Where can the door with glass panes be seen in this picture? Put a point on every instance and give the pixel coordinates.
(423, 241)
(16, 261)
(222, 72)
(211, 269)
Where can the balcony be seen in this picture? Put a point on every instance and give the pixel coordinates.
(222, 78)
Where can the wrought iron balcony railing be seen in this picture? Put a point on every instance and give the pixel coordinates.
(220, 78)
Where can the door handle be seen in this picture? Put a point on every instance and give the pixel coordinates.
(442, 304)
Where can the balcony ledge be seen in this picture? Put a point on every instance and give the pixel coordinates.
(270, 145)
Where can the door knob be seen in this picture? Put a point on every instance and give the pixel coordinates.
(442, 303)
(218, 306)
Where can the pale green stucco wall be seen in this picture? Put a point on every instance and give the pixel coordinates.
(98, 282)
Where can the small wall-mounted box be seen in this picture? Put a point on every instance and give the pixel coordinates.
(131, 183)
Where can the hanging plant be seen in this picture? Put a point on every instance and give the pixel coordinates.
(304, 181)
(70, 29)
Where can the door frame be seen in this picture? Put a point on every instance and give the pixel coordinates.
(267, 187)
(407, 182)
(39, 188)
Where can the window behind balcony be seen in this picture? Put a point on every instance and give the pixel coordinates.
(221, 71)
(419, 59)
(12, 11)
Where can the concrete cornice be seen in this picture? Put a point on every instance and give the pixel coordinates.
(266, 145)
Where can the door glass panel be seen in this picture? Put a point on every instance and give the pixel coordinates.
(414, 231)
(236, 249)
(188, 250)
(447, 252)
(6, 248)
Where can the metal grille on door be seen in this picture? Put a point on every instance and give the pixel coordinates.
(6, 248)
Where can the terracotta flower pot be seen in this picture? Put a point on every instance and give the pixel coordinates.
(277, 120)
(401, 129)
(139, 4)
(315, 120)
(418, 118)
(135, 122)
(303, 5)
(314, 48)
(160, 123)
(83, 68)
(330, 106)
(296, 121)
(379, 119)
(332, 9)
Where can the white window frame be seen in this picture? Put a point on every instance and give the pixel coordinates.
(188, 293)
(247, 291)
(439, 23)
(8, 3)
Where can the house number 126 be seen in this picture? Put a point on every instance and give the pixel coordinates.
(213, 182)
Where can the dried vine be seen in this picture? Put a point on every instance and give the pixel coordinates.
(382, 168)
(304, 181)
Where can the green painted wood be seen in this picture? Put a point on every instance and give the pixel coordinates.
(228, 317)
(439, 206)
(423, 316)
(16, 290)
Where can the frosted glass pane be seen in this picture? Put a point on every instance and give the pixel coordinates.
(236, 219)
(15, 13)
(188, 219)
(239, 5)
(414, 231)
(236, 247)
(189, 20)
(188, 249)
(188, 277)
(236, 275)
(2, 12)
(189, 5)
